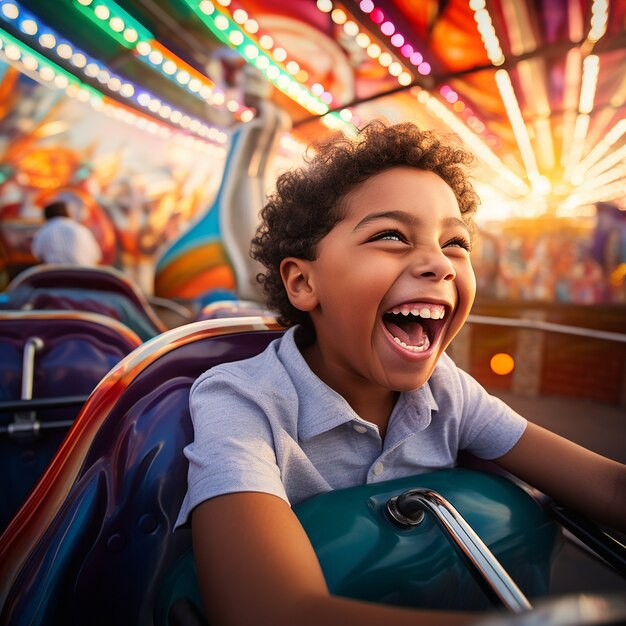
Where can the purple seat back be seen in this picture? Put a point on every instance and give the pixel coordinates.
(94, 540)
(78, 349)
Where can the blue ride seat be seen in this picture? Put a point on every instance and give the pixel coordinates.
(93, 544)
(51, 361)
(103, 290)
(112, 305)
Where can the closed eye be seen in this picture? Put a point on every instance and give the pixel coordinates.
(388, 235)
(458, 242)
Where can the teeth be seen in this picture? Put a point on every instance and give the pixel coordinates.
(434, 311)
(425, 345)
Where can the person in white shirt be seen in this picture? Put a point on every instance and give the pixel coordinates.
(63, 240)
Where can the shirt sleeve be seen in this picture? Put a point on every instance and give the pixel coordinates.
(35, 246)
(489, 427)
(233, 447)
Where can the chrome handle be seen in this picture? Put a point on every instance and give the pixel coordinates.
(32, 345)
(408, 508)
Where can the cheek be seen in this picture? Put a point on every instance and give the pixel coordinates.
(471, 293)
(472, 281)
(467, 283)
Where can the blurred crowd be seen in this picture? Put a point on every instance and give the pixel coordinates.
(568, 263)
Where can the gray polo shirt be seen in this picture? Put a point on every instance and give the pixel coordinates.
(269, 424)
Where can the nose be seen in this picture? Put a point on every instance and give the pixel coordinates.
(433, 264)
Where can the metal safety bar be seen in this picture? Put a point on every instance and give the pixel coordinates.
(31, 347)
(548, 326)
(601, 541)
(41, 403)
(35, 428)
(407, 510)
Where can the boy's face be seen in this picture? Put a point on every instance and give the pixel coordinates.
(392, 283)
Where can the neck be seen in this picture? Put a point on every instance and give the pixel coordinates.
(370, 402)
(375, 408)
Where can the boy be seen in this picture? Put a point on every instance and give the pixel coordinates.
(367, 261)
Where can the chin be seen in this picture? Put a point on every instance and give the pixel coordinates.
(405, 383)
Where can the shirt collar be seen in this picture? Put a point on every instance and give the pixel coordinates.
(321, 408)
(412, 414)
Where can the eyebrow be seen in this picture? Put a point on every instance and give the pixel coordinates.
(407, 219)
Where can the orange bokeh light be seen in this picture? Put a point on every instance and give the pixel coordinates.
(502, 363)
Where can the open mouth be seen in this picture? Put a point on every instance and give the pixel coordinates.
(415, 326)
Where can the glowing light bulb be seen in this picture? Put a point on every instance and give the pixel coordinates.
(502, 364)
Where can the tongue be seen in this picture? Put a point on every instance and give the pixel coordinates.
(411, 332)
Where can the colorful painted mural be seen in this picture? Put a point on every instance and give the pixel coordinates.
(134, 189)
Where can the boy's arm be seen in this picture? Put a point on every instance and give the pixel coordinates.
(574, 476)
(256, 566)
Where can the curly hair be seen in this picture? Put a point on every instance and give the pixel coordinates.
(309, 201)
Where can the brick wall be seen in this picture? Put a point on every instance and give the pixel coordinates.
(548, 363)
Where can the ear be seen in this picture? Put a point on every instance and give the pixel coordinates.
(297, 278)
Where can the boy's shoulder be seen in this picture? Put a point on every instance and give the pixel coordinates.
(446, 368)
(260, 365)
(270, 369)
(449, 380)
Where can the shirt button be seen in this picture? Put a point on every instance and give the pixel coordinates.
(359, 428)
(378, 469)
